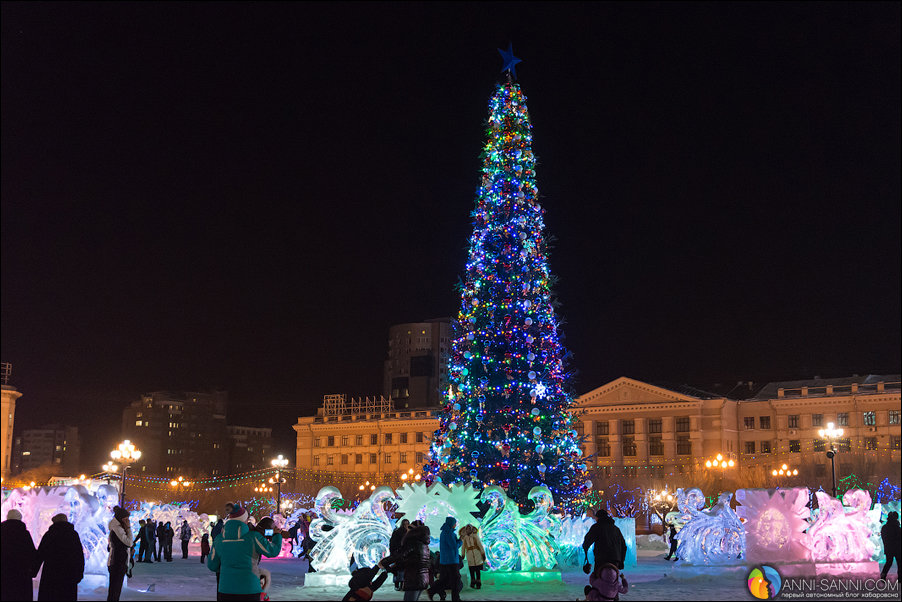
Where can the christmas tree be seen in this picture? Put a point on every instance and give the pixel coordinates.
(506, 421)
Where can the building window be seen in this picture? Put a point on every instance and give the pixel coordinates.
(845, 444)
(627, 427)
(894, 416)
(358, 458)
(765, 447)
(374, 439)
(793, 421)
(388, 458)
(749, 447)
(344, 458)
(388, 438)
(795, 446)
(629, 446)
(817, 420)
(403, 459)
(316, 460)
(139, 423)
(331, 441)
(601, 428)
(344, 440)
(819, 445)
(684, 446)
(682, 424)
(603, 447)
(749, 422)
(419, 457)
(897, 442)
(316, 442)
(870, 418)
(655, 446)
(403, 437)
(870, 443)
(764, 422)
(654, 425)
(842, 419)
(358, 440)
(419, 437)
(330, 460)
(373, 459)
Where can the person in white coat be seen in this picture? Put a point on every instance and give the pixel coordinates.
(120, 545)
(474, 552)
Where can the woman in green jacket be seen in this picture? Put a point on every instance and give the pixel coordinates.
(233, 557)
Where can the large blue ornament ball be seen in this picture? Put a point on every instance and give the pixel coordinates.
(540, 448)
(537, 431)
(452, 426)
(456, 407)
(473, 473)
(531, 375)
(536, 411)
(467, 355)
(566, 480)
(531, 356)
(474, 455)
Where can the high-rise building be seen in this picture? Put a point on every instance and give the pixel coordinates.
(250, 448)
(416, 371)
(7, 418)
(53, 445)
(179, 433)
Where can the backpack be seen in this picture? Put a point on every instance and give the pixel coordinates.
(605, 582)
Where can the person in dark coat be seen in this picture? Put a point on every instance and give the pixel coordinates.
(607, 539)
(673, 543)
(413, 561)
(120, 543)
(217, 529)
(204, 547)
(150, 534)
(363, 583)
(63, 559)
(394, 546)
(449, 562)
(140, 541)
(185, 538)
(891, 543)
(161, 540)
(18, 556)
(168, 536)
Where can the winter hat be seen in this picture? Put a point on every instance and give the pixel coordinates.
(13, 515)
(59, 518)
(119, 513)
(239, 513)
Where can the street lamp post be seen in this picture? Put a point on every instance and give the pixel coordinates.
(719, 461)
(279, 463)
(180, 484)
(125, 453)
(785, 471)
(831, 434)
(108, 468)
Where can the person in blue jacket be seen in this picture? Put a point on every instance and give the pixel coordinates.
(449, 562)
(233, 557)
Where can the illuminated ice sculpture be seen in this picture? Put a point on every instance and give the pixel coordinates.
(713, 536)
(775, 525)
(841, 533)
(433, 503)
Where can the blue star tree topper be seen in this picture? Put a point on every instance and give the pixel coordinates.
(510, 61)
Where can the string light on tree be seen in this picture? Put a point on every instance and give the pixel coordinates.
(506, 419)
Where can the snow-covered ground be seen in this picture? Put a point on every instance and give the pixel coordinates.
(652, 579)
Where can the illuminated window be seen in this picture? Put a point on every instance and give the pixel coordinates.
(842, 419)
(869, 418)
(897, 442)
(795, 446)
(749, 447)
(139, 423)
(358, 440)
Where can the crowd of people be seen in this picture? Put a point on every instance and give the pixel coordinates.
(235, 545)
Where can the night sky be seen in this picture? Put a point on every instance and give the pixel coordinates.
(247, 196)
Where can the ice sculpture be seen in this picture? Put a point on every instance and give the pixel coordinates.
(573, 532)
(433, 503)
(364, 534)
(775, 524)
(627, 526)
(514, 542)
(841, 535)
(876, 520)
(710, 537)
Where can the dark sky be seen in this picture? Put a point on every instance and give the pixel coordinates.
(247, 196)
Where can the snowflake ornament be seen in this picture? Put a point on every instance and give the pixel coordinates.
(432, 504)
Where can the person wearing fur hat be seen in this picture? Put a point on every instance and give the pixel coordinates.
(63, 559)
(17, 558)
(120, 544)
(233, 557)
